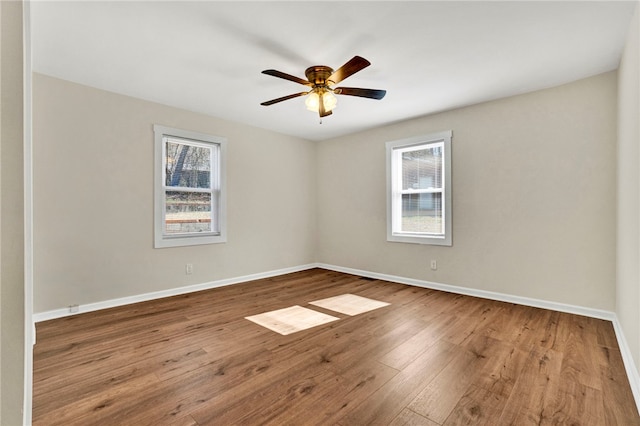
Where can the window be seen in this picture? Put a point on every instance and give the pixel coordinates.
(419, 190)
(189, 188)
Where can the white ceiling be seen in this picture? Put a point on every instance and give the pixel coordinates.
(430, 56)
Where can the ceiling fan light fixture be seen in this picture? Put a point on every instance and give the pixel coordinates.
(313, 101)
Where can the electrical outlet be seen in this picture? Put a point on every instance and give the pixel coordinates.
(74, 309)
(434, 264)
(188, 268)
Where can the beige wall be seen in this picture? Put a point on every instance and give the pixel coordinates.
(93, 199)
(11, 215)
(628, 220)
(533, 197)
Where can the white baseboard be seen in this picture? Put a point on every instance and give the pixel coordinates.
(502, 297)
(632, 371)
(629, 364)
(90, 307)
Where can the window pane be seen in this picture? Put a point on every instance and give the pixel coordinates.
(188, 212)
(188, 165)
(422, 213)
(422, 169)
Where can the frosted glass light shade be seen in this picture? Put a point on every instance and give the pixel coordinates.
(313, 101)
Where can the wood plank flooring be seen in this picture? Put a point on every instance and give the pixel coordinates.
(430, 358)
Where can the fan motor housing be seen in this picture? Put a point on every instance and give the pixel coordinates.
(318, 74)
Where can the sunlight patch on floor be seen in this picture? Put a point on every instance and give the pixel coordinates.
(290, 320)
(349, 304)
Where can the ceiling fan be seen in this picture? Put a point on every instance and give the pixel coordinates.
(321, 78)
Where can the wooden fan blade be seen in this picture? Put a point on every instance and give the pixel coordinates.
(286, 76)
(321, 111)
(363, 93)
(325, 113)
(354, 65)
(284, 98)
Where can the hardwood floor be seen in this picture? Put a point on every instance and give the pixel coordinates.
(430, 358)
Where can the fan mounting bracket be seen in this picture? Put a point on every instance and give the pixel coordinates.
(318, 74)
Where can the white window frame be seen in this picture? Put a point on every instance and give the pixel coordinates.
(218, 194)
(394, 189)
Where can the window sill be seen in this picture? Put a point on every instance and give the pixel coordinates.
(194, 240)
(414, 239)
